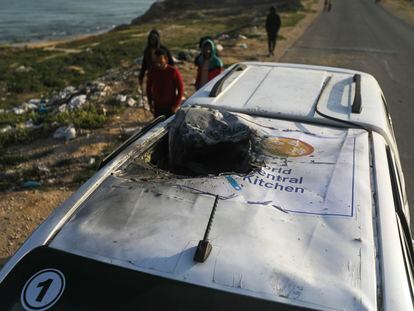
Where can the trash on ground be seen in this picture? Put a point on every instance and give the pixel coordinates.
(18, 110)
(5, 129)
(31, 184)
(65, 132)
(131, 102)
(121, 98)
(92, 161)
(77, 102)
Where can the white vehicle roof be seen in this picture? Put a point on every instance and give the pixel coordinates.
(297, 231)
(298, 92)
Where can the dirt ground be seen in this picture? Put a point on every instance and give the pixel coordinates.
(21, 211)
(402, 8)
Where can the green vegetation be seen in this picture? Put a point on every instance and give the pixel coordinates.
(27, 73)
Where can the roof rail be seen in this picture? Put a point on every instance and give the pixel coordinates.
(357, 105)
(130, 140)
(216, 90)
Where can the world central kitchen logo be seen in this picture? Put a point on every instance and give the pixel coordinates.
(277, 178)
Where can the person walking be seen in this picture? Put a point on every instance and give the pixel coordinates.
(154, 43)
(327, 6)
(165, 86)
(209, 65)
(273, 24)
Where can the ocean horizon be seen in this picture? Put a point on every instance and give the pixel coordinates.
(38, 20)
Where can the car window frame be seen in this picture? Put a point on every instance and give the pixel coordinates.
(402, 224)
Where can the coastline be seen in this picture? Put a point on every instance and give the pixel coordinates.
(52, 42)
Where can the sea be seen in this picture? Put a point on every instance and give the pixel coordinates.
(38, 20)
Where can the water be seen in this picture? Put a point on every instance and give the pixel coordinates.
(34, 20)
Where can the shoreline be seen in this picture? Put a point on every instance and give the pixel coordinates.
(52, 42)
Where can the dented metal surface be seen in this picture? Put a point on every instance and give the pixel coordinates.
(276, 232)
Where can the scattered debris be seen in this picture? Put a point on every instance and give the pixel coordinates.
(43, 168)
(131, 102)
(28, 106)
(6, 129)
(243, 46)
(23, 69)
(18, 110)
(223, 37)
(63, 108)
(92, 161)
(242, 37)
(203, 141)
(77, 102)
(219, 47)
(42, 108)
(65, 132)
(31, 184)
(121, 98)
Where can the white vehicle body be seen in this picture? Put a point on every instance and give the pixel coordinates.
(318, 229)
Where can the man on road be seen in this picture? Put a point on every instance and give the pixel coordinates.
(165, 86)
(272, 28)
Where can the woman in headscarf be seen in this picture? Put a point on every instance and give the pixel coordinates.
(209, 65)
(154, 43)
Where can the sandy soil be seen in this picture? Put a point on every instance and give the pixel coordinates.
(22, 211)
(401, 8)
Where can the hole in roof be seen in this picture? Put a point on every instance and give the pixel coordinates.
(200, 142)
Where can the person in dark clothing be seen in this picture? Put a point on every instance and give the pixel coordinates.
(154, 43)
(272, 28)
(165, 87)
(209, 65)
(200, 46)
(327, 6)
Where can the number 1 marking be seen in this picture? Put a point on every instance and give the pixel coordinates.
(45, 286)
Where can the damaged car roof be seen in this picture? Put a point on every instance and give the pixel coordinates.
(276, 231)
(324, 95)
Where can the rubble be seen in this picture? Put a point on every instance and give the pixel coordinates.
(77, 102)
(6, 129)
(219, 47)
(243, 46)
(131, 102)
(65, 132)
(23, 69)
(91, 161)
(29, 106)
(203, 141)
(121, 98)
(224, 37)
(30, 125)
(31, 184)
(43, 168)
(18, 110)
(242, 37)
(63, 108)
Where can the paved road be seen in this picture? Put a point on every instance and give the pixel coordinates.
(361, 35)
